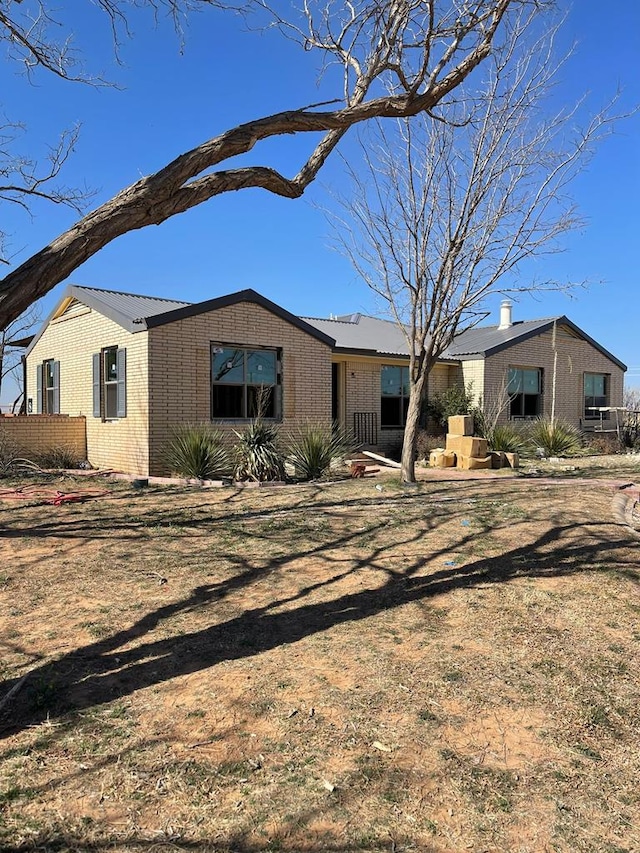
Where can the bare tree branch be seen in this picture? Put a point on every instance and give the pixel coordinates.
(11, 357)
(371, 41)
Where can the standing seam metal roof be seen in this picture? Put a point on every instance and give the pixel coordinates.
(363, 333)
(128, 305)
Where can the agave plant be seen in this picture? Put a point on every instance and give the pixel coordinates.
(313, 447)
(197, 450)
(505, 437)
(555, 438)
(258, 455)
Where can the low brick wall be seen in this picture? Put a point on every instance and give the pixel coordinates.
(34, 434)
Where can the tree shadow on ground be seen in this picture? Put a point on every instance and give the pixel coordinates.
(110, 668)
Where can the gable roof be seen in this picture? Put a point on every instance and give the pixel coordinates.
(484, 341)
(136, 313)
(351, 333)
(128, 310)
(247, 295)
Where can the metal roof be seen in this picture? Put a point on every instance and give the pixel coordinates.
(124, 308)
(136, 313)
(357, 333)
(487, 340)
(482, 340)
(360, 333)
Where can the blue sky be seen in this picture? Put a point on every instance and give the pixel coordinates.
(169, 101)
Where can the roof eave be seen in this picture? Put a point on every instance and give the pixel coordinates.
(545, 327)
(372, 353)
(247, 295)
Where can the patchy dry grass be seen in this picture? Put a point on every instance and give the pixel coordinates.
(327, 667)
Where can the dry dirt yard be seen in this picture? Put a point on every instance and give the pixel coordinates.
(331, 667)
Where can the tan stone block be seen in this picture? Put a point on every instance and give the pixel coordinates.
(454, 443)
(439, 458)
(470, 446)
(435, 456)
(450, 459)
(512, 460)
(497, 459)
(474, 463)
(461, 424)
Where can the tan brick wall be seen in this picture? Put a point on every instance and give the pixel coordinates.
(72, 339)
(575, 357)
(180, 372)
(362, 392)
(38, 433)
(473, 375)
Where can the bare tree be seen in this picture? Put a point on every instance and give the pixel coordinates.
(631, 399)
(11, 355)
(398, 59)
(445, 213)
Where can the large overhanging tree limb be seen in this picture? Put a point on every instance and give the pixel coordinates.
(388, 38)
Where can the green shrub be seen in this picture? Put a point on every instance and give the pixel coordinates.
(555, 438)
(196, 450)
(313, 447)
(258, 456)
(455, 400)
(505, 437)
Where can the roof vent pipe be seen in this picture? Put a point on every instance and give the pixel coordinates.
(505, 315)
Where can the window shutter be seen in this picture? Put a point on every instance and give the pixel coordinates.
(39, 389)
(56, 388)
(122, 382)
(96, 385)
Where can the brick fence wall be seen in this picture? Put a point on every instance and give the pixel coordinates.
(38, 433)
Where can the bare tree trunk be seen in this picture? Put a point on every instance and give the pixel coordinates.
(2, 345)
(408, 460)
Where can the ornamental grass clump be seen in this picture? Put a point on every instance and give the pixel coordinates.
(555, 438)
(197, 451)
(313, 447)
(258, 455)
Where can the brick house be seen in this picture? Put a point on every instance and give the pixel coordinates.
(137, 366)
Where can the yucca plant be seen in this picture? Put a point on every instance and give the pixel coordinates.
(505, 437)
(196, 450)
(555, 438)
(258, 455)
(312, 448)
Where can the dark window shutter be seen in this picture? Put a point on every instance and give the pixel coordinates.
(56, 388)
(39, 389)
(96, 385)
(122, 382)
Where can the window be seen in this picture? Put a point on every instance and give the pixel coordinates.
(524, 386)
(394, 390)
(110, 383)
(245, 383)
(596, 394)
(48, 387)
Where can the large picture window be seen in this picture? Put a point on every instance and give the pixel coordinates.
(524, 386)
(394, 390)
(596, 395)
(245, 383)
